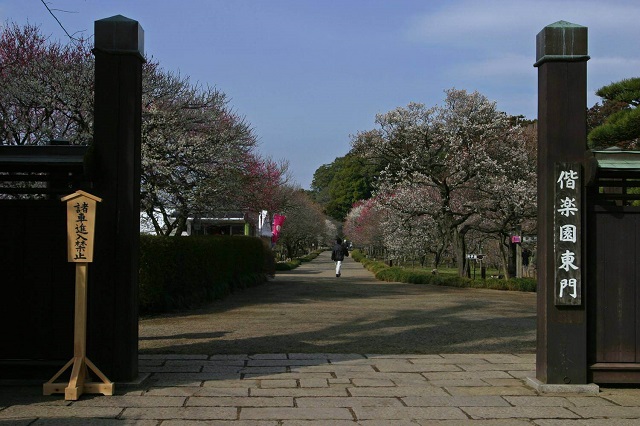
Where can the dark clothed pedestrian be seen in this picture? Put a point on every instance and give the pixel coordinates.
(338, 254)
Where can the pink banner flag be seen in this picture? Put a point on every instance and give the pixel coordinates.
(278, 220)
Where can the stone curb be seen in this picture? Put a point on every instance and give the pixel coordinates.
(589, 389)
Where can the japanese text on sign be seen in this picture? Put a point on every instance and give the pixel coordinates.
(81, 230)
(81, 217)
(567, 240)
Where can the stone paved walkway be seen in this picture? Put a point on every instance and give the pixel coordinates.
(327, 389)
(321, 388)
(310, 310)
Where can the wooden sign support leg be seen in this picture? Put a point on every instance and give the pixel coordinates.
(78, 383)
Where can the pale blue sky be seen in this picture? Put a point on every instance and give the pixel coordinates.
(307, 74)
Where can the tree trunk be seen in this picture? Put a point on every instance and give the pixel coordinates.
(154, 221)
(505, 259)
(460, 250)
(181, 225)
(437, 255)
(289, 251)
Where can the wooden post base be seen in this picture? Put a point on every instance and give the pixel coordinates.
(77, 383)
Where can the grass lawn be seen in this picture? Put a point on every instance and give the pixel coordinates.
(453, 272)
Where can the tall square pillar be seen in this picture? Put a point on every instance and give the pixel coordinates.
(562, 98)
(112, 341)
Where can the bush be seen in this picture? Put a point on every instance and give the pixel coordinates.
(358, 256)
(294, 263)
(186, 272)
(417, 276)
(289, 265)
(309, 257)
(371, 265)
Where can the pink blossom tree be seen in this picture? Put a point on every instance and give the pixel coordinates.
(46, 88)
(363, 225)
(198, 155)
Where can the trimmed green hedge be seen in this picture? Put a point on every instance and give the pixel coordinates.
(384, 272)
(288, 265)
(187, 272)
(294, 263)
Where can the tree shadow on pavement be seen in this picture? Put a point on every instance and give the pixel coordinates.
(376, 337)
(351, 314)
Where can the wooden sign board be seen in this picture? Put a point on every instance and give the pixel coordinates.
(81, 220)
(568, 234)
(81, 217)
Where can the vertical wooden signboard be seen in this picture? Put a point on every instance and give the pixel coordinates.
(568, 230)
(81, 214)
(81, 219)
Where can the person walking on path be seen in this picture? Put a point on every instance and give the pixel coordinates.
(338, 254)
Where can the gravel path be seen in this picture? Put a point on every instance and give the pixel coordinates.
(309, 310)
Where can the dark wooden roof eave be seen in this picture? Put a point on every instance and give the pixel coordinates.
(42, 158)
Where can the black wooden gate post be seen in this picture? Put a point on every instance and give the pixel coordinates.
(561, 54)
(113, 283)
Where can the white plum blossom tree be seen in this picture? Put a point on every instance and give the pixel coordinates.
(413, 226)
(194, 148)
(305, 224)
(510, 193)
(465, 155)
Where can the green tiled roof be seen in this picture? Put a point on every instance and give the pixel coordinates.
(618, 159)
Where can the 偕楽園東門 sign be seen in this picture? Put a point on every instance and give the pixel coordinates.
(567, 230)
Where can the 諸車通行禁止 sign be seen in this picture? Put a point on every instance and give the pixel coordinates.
(567, 224)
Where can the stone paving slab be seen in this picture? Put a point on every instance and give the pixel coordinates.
(520, 412)
(284, 362)
(489, 390)
(501, 422)
(490, 366)
(599, 422)
(313, 382)
(295, 375)
(275, 383)
(349, 390)
(630, 398)
(426, 390)
(609, 412)
(254, 401)
(131, 401)
(402, 413)
(182, 413)
(239, 390)
(221, 423)
(455, 401)
(173, 356)
(43, 411)
(92, 422)
(208, 363)
(553, 401)
(318, 423)
(310, 413)
(349, 402)
(300, 392)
